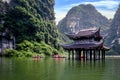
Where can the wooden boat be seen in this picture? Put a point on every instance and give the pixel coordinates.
(57, 56)
(36, 57)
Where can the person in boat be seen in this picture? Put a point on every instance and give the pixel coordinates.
(56, 55)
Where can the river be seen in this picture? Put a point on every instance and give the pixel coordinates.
(58, 69)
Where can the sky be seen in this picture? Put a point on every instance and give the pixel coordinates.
(105, 7)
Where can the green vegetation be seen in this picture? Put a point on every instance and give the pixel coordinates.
(27, 20)
(32, 23)
(1, 15)
(29, 49)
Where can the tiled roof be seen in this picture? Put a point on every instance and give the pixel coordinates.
(83, 33)
(86, 33)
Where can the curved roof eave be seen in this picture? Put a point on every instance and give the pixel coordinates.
(87, 33)
(83, 46)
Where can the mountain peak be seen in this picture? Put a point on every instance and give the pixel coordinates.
(87, 6)
(82, 16)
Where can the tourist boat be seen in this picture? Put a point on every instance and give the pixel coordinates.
(37, 56)
(58, 56)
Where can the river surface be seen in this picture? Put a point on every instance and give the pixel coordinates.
(58, 69)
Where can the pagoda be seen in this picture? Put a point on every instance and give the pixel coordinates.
(87, 44)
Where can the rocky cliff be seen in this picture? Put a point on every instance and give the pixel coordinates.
(83, 17)
(114, 33)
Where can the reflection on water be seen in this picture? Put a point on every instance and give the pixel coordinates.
(58, 69)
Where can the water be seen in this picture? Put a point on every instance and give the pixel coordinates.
(58, 69)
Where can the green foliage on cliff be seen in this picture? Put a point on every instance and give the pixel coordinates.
(1, 16)
(33, 21)
(28, 49)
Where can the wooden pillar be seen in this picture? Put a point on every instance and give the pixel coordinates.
(68, 55)
(76, 55)
(94, 55)
(99, 55)
(84, 55)
(79, 54)
(102, 54)
(90, 54)
(73, 54)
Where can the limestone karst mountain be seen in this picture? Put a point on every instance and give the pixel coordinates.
(83, 17)
(114, 33)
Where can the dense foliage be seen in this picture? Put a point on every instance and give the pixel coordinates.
(1, 15)
(28, 49)
(33, 21)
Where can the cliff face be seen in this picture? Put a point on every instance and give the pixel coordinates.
(31, 20)
(3, 10)
(114, 33)
(115, 26)
(83, 17)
